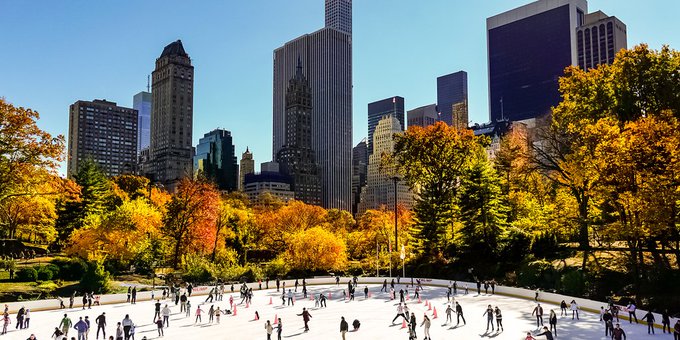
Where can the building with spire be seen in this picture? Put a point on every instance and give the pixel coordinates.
(327, 57)
(380, 187)
(296, 158)
(171, 149)
(247, 166)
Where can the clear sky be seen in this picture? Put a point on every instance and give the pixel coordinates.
(57, 52)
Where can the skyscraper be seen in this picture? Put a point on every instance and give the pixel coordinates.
(599, 39)
(359, 172)
(452, 96)
(422, 116)
(327, 56)
(380, 188)
(339, 15)
(247, 167)
(393, 106)
(171, 150)
(142, 103)
(104, 132)
(528, 49)
(296, 157)
(216, 160)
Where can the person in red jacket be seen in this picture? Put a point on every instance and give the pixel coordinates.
(305, 317)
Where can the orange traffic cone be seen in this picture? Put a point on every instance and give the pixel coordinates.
(276, 319)
(369, 294)
(434, 313)
(429, 306)
(234, 309)
(293, 299)
(403, 324)
(419, 299)
(408, 297)
(247, 304)
(257, 316)
(270, 300)
(330, 294)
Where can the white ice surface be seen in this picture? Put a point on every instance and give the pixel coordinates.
(375, 314)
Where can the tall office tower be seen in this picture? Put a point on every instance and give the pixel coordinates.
(339, 15)
(422, 116)
(528, 49)
(599, 39)
(104, 132)
(171, 150)
(216, 159)
(393, 106)
(380, 188)
(296, 157)
(451, 92)
(247, 165)
(359, 171)
(327, 56)
(142, 103)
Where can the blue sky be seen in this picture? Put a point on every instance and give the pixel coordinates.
(57, 52)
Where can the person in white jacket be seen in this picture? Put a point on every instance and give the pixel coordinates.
(426, 323)
(574, 310)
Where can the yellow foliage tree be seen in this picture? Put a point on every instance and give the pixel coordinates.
(316, 249)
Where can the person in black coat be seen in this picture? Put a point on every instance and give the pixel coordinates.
(344, 327)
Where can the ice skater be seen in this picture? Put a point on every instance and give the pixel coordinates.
(499, 319)
(400, 312)
(538, 311)
(489, 317)
(426, 324)
(459, 313)
(305, 317)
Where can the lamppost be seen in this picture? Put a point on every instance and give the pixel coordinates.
(396, 179)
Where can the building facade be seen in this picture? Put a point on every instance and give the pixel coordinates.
(393, 106)
(599, 39)
(452, 96)
(339, 15)
(142, 103)
(380, 188)
(327, 56)
(273, 183)
(359, 172)
(104, 132)
(422, 116)
(528, 49)
(171, 149)
(296, 158)
(247, 166)
(216, 159)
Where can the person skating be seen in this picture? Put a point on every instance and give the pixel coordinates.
(27, 318)
(157, 310)
(412, 324)
(459, 314)
(199, 311)
(218, 313)
(296, 285)
(538, 311)
(278, 284)
(81, 327)
(499, 319)
(455, 288)
(188, 308)
(65, 324)
(547, 333)
(649, 317)
(400, 312)
(279, 329)
(608, 323)
(529, 337)
(84, 300)
(426, 324)
(305, 317)
(552, 321)
(129, 293)
(290, 298)
(486, 287)
(631, 312)
(190, 288)
(166, 315)
(406, 311)
(449, 310)
(127, 326)
(211, 314)
(479, 287)
(283, 298)
(5, 323)
(134, 295)
(183, 302)
(159, 326)
(384, 286)
(119, 332)
(489, 317)
(101, 324)
(493, 286)
(344, 327)
(269, 329)
(89, 326)
(71, 299)
(366, 292)
(618, 333)
(574, 309)
(666, 321)
(538, 291)
(676, 330)
(322, 300)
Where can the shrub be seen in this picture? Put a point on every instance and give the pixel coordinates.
(26, 274)
(536, 274)
(573, 283)
(545, 245)
(70, 269)
(54, 269)
(45, 274)
(95, 279)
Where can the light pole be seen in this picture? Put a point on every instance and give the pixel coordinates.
(396, 237)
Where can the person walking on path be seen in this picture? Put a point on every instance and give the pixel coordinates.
(65, 325)
(449, 310)
(279, 329)
(269, 329)
(426, 324)
(649, 317)
(631, 312)
(344, 327)
(400, 312)
(548, 334)
(666, 321)
(305, 317)
(574, 309)
(499, 319)
(166, 315)
(127, 326)
(81, 327)
(538, 311)
(552, 321)
(618, 333)
(101, 324)
(198, 315)
(459, 312)
(489, 317)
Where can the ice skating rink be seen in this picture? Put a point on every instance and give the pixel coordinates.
(374, 313)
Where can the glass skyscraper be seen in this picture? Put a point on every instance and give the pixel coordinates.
(142, 103)
(393, 106)
(216, 159)
(452, 96)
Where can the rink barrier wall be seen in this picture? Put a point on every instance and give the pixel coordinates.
(520, 293)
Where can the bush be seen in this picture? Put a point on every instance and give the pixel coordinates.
(545, 245)
(70, 269)
(26, 274)
(573, 283)
(537, 274)
(54, 269)
(96, 278)
(45, 274)
(197, 269)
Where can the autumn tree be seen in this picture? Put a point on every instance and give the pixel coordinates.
(190, 218)
(316, 249)
(432, 161)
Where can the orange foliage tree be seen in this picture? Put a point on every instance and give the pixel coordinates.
(316, 249)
